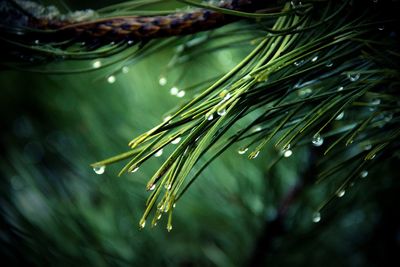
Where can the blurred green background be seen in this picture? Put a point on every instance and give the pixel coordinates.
(55, 211)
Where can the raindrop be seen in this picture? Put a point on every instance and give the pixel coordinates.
(142, 223)
(210, 117)
(162, 81)
(112, 43)
(181, 94)
(152, 187)
(159, 216)
(168, 186)
(135, 169)
(364, 174)
(254, 154)
(130, 42)
(247, 77)
(158, 153)
(340, 116)
(227, 96)
(340, 88)
(314, 59)
(372, 157)
(381, 28)
(176, 140)
(329, 64)
(125, 69)
(174, 91)
(341, 193)
(375, 102)
(317, 140)
(99, 169)
(243, 150)
(111, 79)
(169, 227)
(174, 205)
(96, 64)
(37, 42)
(316, 217)
(299, 63)
(221, 112)
(287, 153)
(353, 76)
(367, 147)
(167, 118)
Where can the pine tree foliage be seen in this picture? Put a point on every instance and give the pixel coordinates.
(322, 75)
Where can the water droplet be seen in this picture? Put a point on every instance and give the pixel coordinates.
(256, 129)
(125, 70)
(142, 223)
(316, 217)
(340, 116)
(167, 118)
(247, 77)
(375, 101)
(158, 153)
(159, 216)
(227, 96)
(221, 112)
(99, 169)
(168, 186)
(364, 174)
(210, 117)
(304, 92)
(372, 157)
(112, 43)
(314, 59)
(243, 150)
(329, 64)
(381, 28)
(340, 88)
(317, 140)
(341, 193)
(130, 42)
(254, 155)
(162, 81)
(174, 91)
(174, 205)
(176, 140)
(287, 153)
(37, 42)
(152, 187)
(367, 147)
(353, 76)
(299, 63)
(169, 227)
(111, 79)
(135, 169)
(96, 64)
(181, 94)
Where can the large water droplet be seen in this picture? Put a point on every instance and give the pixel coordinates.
(287, 153)
(162, 81)
(158, 153)
(96, 64)
(353, 76)
(176, 140)
(111, 79)
(316, 217)
(243, 150)
(210, 117)
(174, 91)
(341, 193)
(317, 140)
(221, 112)
(340, 116)
(99, 169)
(364, 174)
(181, 94)
(152, 187)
